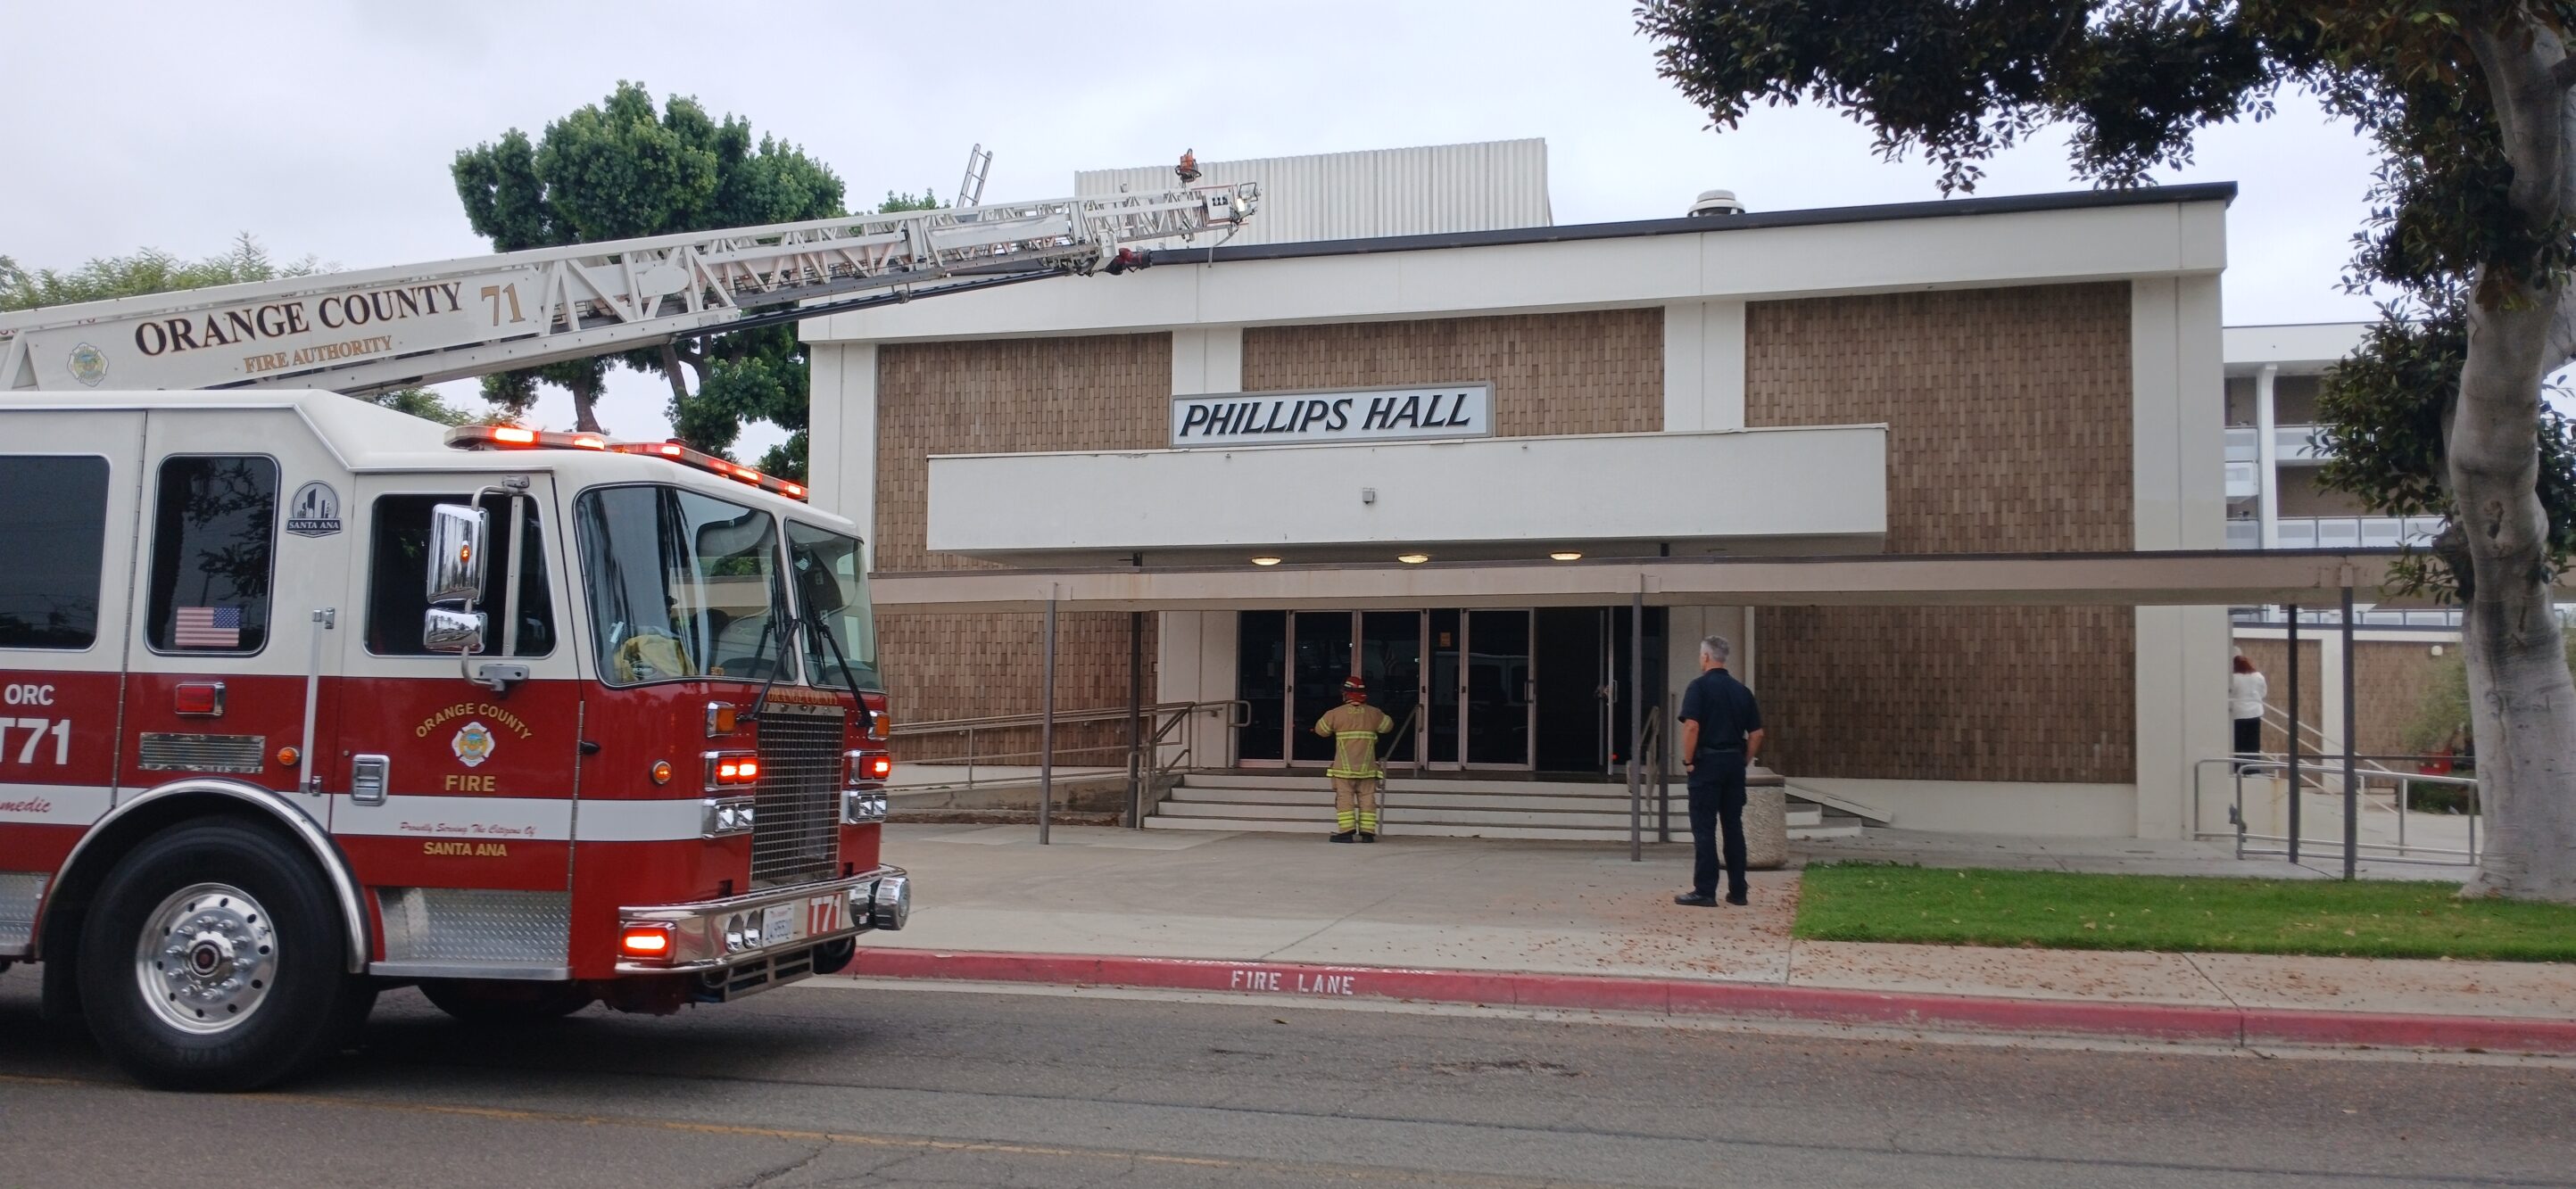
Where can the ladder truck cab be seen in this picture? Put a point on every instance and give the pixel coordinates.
(305, 698)
(301, 697)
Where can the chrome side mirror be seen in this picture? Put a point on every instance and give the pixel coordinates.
(456, 535)
(447, 629)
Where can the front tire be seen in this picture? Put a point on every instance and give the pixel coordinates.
(214, 960)
(501, 1001)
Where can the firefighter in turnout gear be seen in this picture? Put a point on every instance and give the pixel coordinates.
(1354, 727)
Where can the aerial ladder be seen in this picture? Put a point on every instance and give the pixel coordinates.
(370, 330)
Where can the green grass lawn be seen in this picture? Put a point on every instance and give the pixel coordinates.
(2063, 910)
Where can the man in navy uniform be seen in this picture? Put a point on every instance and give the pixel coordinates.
(1721, 733)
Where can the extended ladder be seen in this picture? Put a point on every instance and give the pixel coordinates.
(421, 324)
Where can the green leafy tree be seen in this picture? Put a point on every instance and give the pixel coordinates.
(154, 271)
(148, 271)
(625, 167)
(898, 201)
(2474, 227)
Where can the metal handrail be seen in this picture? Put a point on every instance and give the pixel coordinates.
(2402, 782)
(1005, 721)
(1171, 718)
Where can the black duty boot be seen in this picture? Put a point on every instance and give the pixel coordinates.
(1366, 836)
(1344, 836)
(1695, 900)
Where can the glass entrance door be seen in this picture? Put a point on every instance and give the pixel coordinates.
(1390, 660)
(1498, 697)
(1457, 683)
(1321, 641)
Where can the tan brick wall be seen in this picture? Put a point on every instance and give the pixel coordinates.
(1101, 392)
(2389, 682)
(1591, 371)
(2008, 414)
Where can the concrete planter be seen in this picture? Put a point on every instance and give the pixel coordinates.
(1766, 820)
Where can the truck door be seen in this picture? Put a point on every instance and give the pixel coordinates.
(241, 591)
(68, 486)
(453, 799)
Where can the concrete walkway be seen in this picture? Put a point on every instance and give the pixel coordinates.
(1582, 909)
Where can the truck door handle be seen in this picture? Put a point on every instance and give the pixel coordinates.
(367, 779)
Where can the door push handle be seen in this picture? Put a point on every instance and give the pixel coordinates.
(367, 780)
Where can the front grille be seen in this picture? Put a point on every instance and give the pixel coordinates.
(796, 818)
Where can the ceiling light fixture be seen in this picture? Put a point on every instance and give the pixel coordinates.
(1566, 555)
(1413, 559)
(1265, 561)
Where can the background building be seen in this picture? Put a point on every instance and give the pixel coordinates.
(2274, 502)
(2035, 374)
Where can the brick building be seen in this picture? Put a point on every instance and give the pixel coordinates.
(2000, 376)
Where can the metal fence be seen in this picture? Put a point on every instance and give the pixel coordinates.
(2391, 810)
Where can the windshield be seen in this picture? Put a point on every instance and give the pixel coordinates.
(681, 585)
(833, 591)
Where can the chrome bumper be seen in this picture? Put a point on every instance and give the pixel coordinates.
(715, 934)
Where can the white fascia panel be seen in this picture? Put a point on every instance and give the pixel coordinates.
(1747, 485)
(2026, 248)
(2039, 247)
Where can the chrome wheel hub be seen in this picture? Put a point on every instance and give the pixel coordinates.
(207, 958)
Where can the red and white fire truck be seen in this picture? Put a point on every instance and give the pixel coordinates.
(302, 698)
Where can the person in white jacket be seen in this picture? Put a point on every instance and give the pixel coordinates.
(2246, 693)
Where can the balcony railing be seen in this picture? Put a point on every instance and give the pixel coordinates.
(2362, 617)
(2298, 443)
(2290, 443)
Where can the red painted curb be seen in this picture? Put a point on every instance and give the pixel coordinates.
(1708, 997)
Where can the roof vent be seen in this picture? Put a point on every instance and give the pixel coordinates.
(1716, 202)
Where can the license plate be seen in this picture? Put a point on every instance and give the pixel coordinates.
(778, 924)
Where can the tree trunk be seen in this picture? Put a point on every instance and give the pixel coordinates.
(671, 361)
(2522, 701)
(585, 401)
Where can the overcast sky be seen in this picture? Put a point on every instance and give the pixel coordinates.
(327, 128)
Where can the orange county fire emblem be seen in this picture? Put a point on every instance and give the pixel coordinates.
(473, 744)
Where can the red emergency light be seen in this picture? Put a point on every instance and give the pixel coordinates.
(731, 768)
(514, 437)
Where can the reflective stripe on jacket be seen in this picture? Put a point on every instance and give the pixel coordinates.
(1354, 727)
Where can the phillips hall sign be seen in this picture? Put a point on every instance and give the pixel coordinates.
(1306, 418)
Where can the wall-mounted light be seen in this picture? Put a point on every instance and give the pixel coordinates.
(1265, 561)
(1565, 555)
(1413, 559)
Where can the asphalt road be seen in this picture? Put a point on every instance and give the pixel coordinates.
(903, 1085)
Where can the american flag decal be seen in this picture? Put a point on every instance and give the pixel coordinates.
(209, 627)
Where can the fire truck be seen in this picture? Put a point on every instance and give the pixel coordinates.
(302, 698)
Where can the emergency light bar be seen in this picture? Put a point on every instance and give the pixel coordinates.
(513, 437)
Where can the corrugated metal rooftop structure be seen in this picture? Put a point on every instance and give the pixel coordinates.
(1492, 185)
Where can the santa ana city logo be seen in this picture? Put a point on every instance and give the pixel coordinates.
(314, 512)
(89, 364)
(473, 744)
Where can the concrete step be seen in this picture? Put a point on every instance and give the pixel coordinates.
(1451, 817)
(1314, 777)
(1401, 828)
(1440, 800)
(1530, 811)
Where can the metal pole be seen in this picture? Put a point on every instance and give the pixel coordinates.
(1135, 720)
(1667, 726)
(1636, 725)
(2293, 609)
(2351, 768)
(1046, 727)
